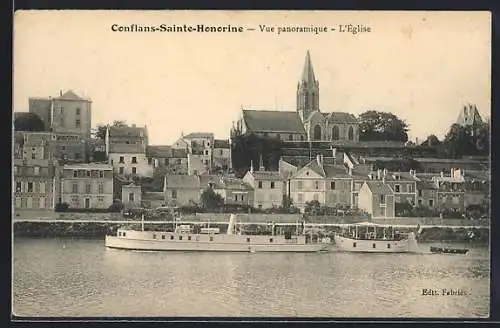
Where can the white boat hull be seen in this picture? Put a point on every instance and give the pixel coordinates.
(376, 246)
(144, 242)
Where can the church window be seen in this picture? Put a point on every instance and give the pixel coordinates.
(290, 137)
(312, 101)
(351, 133)
(306, 101)
(301, 138)
(335, 133)
(317, 132)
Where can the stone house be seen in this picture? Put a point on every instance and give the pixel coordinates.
(131, 195)
(377, 199)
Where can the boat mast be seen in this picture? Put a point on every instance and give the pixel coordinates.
(142, 222)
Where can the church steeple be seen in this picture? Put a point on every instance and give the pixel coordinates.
(307, 91)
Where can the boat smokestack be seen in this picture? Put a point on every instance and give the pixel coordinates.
(231, 225)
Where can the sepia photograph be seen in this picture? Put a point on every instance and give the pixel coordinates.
(251, 164)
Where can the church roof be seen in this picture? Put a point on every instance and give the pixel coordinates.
(308, 72)
(469, 115)
(273, 121)
(341, 117)
(221, 143)
(193, 135)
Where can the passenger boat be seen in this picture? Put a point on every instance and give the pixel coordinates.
(373, 238)
(445, 250)
(184, 238)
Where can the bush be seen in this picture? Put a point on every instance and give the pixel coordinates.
(115, 207)
(61, 207)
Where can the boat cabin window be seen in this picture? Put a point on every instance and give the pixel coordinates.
(189, 237)
(248, 240)
(123, 234)
(270, 240)
(119, 234)
(388, 245)
(180, 237)
(211, 238)
(171, 237)
(154, 236)
(162, 236)
(374, 245)
(353, 244)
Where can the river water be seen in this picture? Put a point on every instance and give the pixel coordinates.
(81, 278)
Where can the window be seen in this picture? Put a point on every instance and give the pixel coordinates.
(419, 202)
(131, 197)
(100, 199)
(33, 155)
(335, 133)
(300, 197)
(206, 152)
(248, 240)
(221, 152)
(411, 188)
(299, 185)
(290, 137)
(189, 237)
(30, 186)
(388, 245)
(374, 245)
(134, 160)
(211, 238)
(420, 193)
(87, 188)
(15, 169)
(260, 184)
(77, 123)
(206, 162)
(41, 202)
(18, 186)
(317, 132)
(351, 133)
(180, 237)
(41, 187)
(154, 236)
(88, 174)
(124, 234)
(272, 184)
(122, 160)
(101, 174)
(18, 202)
(75, 174)
(316, 185)
(29, 202)
(174, 194)
(75, 188)
(316, 197)
(162, 236)
(332, 185)
(78, 111)
(134, 170)
(101, 188)
(36, 170)
(270, 240)
(301, 138)
(77, 155)
(236, 197)
(354, 245)
(171, 237)
(382, 199)
(397, 188)
(431, 203)
(121, 169)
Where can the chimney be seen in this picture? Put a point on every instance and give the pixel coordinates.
(379, 172)
(60, 93)
(442, 174)
(318, 159)
(334, 152)
(385, 172)
(251, 166)
(452, 173)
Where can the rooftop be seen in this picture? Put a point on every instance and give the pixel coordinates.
(205, 135)
(273, 121)
(378, 187)
(88, 166)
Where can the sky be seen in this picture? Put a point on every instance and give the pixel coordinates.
(422, 66)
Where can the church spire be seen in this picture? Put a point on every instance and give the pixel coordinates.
(308, 72)
(307, 91)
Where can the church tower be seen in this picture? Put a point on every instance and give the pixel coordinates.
(307, 91)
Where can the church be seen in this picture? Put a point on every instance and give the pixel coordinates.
(307, 122)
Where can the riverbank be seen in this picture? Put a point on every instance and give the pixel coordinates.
(92, 229)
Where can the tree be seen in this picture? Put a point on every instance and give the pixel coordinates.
(100, 130)
(28, 122)
(382, 126)
(211, 200)
(249, 148)
(458, 141)
(431, 141)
